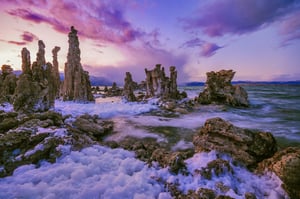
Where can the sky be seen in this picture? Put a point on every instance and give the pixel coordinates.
(259, 39)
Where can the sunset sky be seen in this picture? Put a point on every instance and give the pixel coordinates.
(259, 39)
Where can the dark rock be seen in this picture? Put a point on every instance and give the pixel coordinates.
(286, 165)
(159, 85)
(128, 91)
(55, 71)
(219, 90)
(8, 84)
(249, 195)
(35, 89)
(113, 91)
(93, 126)
(76, 85)
(26, 63)
(243, 145)
(216, 167)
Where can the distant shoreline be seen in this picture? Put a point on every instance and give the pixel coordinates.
(249, 83)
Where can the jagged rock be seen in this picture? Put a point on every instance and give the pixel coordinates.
(159, 85)
(8, 121)
(76, 85)
(8, 84)
(129, 88)
(26, 64)
(286, 165)
(93, 126)
(113, 91)
(245, 146)
(55, 71)
(35, 87)
(173, 160)
(219, 90)
(15, 150)
(216, 167)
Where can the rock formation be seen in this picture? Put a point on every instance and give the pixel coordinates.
(157, 84)
(113, 91)
(219, 90)
(243, 145)
(26, 64)
(55, 71)
(286, 165)
(8, 83)
(129, 88)
(76, 85)
(35, 87)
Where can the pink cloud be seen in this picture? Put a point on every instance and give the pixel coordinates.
(98, 20)
(19, 43)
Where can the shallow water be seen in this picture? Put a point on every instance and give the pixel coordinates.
(273, 108)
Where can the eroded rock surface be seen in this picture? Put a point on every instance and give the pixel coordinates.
(55, 71)
(8, 84)
(76, 85)
(245, 146)
(35, 87)
(286, 165)
(129, 85)
(159, 85)
(219, 90)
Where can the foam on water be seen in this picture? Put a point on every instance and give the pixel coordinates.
(104, 109)
(101, 172)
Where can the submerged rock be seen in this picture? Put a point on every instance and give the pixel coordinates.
(219, 90)
(245, 146)
(286, 165)
(76, 85)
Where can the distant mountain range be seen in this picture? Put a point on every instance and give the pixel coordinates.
(95, 81)
(102, 81)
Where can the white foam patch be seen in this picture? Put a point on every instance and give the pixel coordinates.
(104, 109)
(125, 128)
(6, 107)
(101, 172)
(95, 172)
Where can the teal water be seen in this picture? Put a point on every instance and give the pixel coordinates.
(273, 108)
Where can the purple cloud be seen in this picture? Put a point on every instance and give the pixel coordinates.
(28, 37)
(28, 15)
(290, 28)
(220, 17)
(207, 49)
(192, 43)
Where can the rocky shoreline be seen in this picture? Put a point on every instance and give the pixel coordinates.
(31, 138)
(33, 132)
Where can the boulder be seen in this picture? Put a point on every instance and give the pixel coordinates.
(219, 90)
(286, 165)
(76, 85)
(93, 126)
(243, 145)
